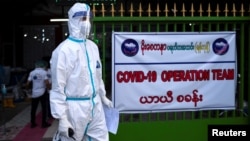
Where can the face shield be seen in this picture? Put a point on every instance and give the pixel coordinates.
(86, 23)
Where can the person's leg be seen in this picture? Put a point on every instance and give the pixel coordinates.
(97, 129)
(49, 110)
(43, 101)
(34, 105)
(48, 105)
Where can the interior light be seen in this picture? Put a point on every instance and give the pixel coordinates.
(58, 20)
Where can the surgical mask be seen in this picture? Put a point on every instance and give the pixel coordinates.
(85, 28)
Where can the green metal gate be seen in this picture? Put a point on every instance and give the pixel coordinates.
(176, 16)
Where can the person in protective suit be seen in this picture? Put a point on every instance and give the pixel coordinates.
(78, 90)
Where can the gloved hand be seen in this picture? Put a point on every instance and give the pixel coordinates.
(106, 102)
(64, 126)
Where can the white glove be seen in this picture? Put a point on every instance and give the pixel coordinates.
(64, 126)
(107, 102)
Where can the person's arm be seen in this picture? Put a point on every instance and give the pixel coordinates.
(101, 87)
(59, 108)
(105, 100)
(47, 84)
(27, 85)
(57, 95)
(49, 79)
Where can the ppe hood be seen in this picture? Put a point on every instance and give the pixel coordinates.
(75, 14)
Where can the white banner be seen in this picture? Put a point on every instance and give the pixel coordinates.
(176, 71)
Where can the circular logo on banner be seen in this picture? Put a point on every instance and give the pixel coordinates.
(130, 47)
(220, 46)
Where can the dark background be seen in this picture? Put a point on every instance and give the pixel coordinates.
(16, 14)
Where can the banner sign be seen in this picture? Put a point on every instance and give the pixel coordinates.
(176, 71)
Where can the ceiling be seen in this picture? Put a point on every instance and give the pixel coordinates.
(39, 7)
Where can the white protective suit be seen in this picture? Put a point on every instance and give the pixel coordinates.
(78, 90)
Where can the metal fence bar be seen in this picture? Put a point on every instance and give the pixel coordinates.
(198, 9)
